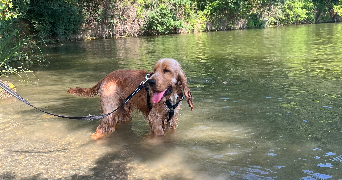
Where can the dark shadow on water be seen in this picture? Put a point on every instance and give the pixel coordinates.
(115, 165)
(12, 176)
(110, 166)
(7, 175)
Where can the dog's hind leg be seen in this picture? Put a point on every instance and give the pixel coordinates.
(109, 102)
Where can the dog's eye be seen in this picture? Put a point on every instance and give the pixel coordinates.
(166, 71)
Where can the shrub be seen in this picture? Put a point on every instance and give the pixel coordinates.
(338, 9)
(17, 50)
(54, 19)
(162, 19)
(255, 21)
(297, 12)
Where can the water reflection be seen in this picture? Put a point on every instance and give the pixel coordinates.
(267, 106)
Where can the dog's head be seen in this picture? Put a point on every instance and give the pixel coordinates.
(168, 75)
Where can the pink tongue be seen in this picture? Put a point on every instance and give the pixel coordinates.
(157, 96)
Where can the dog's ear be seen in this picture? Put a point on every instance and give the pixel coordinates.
(186, 89)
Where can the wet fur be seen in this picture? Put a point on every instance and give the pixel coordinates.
(117, 85)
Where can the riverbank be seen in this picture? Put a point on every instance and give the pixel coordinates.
(26, 24)
(58, 20)
(144, 18)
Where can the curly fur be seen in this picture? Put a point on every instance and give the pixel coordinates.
(117, 85)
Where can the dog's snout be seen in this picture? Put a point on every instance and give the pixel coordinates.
(152, 82)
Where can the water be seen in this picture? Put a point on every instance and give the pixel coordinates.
(267, 105)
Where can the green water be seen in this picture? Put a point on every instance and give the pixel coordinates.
(267, 105)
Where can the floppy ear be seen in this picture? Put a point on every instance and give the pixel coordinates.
(186, 89)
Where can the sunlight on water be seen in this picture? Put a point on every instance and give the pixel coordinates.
(48, 149)
(170, 165)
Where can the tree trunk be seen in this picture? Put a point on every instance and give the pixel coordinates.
(319, 13)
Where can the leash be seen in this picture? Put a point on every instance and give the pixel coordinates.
(89, 117)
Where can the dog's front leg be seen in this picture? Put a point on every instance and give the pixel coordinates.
(155, 119)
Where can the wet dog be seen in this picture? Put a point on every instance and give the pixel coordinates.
(167, 83)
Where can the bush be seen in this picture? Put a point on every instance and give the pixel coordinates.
(338, 9)
(297, 12)
(9, 47)
(289, 12)
(54, 19)
(255, 21)
(162, 19)
(17, 50)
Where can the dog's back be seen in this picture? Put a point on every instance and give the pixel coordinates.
(114, 89)
(130, 79)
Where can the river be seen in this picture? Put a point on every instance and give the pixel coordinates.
(267, 105)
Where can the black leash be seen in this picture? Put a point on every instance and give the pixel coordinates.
(173, 107)
(89, 117)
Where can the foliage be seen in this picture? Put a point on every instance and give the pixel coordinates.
(5, 13)
(58, 19)
(196, 21)
(17, 50)
(283, 13)
(52, 19)
(162, 19)
(225, 11)
(9, 47)
(297, 12)
(338, 8)
(254, 20)
(323, 8)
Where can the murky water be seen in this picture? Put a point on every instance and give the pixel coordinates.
(267, 106)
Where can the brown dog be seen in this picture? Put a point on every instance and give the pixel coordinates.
(167, 83)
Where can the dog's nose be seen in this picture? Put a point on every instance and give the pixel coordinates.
(151, 82)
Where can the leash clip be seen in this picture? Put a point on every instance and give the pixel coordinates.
(147, 77)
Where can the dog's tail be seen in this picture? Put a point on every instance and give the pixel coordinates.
(90, 92)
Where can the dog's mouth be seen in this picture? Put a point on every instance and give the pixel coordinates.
(158, 95)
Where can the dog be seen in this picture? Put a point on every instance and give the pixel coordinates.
(167, 83)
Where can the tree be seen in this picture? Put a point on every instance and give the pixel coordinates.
(323, 6)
